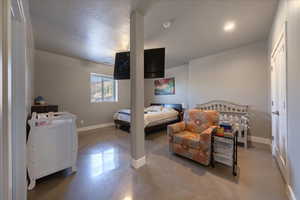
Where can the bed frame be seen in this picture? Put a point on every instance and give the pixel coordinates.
(124, 125)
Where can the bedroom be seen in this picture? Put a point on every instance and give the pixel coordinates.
(218, 56)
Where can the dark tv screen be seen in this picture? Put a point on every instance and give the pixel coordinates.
(122, 66)
(154, 64)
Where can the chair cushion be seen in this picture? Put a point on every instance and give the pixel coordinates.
(188, 139)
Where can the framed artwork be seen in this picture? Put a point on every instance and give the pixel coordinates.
(164, 86)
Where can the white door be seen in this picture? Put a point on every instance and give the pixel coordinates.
(279, 113)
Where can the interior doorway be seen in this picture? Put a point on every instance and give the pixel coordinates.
(278, 104)
(12, 101)
(5, 101)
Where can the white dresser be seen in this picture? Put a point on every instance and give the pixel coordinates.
(52, 144)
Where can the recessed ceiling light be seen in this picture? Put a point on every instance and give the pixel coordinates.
(167, 24)
(229, 26)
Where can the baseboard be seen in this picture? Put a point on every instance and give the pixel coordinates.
(290, 192)
(88, 128)
(138, 163)
(260, 140)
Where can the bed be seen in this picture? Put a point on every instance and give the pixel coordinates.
(157, 117)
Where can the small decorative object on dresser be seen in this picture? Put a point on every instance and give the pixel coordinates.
(39, 100)
(231, 113)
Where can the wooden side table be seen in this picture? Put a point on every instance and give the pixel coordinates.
(44, 108)
(224, 150)
(181, 114)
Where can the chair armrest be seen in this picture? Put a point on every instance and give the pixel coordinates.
(176, 128)
(205, 136)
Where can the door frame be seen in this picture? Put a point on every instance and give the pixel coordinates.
(19, 65)
(5, 101)
(282, 37)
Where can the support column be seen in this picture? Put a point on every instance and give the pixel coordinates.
(137, 89)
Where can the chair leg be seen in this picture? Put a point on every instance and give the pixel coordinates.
(31, 184)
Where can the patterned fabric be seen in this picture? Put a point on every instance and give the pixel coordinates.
(178, 127)
(198, 121)
(188, 139)
(191, 138)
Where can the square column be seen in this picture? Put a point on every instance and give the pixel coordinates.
(137, 89)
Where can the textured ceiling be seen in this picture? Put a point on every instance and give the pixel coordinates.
(96, 29)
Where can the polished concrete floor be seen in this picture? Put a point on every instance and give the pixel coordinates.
(104, 173)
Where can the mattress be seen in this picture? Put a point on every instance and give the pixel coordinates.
(150, 118)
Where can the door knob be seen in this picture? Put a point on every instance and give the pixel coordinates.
(276, 113)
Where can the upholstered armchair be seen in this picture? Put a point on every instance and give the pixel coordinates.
(191, 138)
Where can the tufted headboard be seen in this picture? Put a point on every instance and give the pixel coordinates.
(223, 107)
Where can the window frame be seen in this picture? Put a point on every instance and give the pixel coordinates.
(103, 77)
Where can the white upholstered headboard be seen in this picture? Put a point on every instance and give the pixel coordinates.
(223, 107)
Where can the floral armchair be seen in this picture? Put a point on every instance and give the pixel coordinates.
(191, 138)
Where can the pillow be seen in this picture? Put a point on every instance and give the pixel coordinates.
(154, 109)
(167, 109)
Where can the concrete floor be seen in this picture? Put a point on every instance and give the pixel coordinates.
(104, 172)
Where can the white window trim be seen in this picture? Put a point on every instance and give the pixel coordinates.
(116, 89)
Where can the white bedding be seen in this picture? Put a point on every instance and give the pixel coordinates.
(150, 118)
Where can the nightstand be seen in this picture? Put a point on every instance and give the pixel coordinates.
(44, 108)
(181, 114)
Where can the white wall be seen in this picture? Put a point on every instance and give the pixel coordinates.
(290, 11)
(65, 81)
(239, 75)
(278, 25)
(181, 87)
(293, 83)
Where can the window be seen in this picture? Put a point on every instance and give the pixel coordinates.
(103, 88)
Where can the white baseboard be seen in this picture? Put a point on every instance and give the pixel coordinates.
(260, 140)
(88, 128)
(138, 163)
(290, 192)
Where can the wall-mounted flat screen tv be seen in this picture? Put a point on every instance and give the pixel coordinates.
(154, 64)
